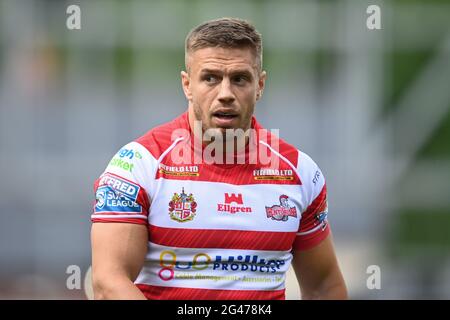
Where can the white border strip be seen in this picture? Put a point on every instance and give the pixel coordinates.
(312, 230)
(118, 216)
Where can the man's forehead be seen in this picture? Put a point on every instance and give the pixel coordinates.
(225, 67)
(220, 58)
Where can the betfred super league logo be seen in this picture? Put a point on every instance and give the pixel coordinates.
(182, 207)
(282, 211)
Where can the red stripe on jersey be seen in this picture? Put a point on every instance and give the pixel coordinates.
(171, 293)
(224, 239)
(309, 241)
(237, 175)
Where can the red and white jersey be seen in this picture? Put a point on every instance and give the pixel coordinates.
(216, 231)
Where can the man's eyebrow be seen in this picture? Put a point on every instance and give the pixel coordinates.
(210, 70)
(241, 71)
(233, 72)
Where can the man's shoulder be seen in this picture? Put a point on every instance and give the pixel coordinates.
(160, 138)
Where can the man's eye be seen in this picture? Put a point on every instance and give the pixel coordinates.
(210, 78)
(239, 79)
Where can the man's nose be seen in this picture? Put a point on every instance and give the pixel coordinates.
(226, 95)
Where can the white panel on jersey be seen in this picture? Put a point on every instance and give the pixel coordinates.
(211, 207)
(312, 177)
(226, 269)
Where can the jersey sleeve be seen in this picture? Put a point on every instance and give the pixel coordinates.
(120, 192)
(314, 227)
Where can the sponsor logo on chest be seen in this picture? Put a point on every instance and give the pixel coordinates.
(272, 174)
(181, 171)
(238, 206)
(282, 211)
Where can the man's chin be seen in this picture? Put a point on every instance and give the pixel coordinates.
(225, 133)
(216, 131)
(225, 129)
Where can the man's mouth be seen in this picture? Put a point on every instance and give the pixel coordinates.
(225, 118)
(225, 115)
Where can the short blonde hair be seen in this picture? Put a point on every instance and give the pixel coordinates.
(225, 33)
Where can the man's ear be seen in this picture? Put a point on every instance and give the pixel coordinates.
(185, 83)
(261, 84)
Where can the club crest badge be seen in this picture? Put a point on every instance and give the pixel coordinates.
(182, 207)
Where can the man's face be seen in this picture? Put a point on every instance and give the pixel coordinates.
(222, 87)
